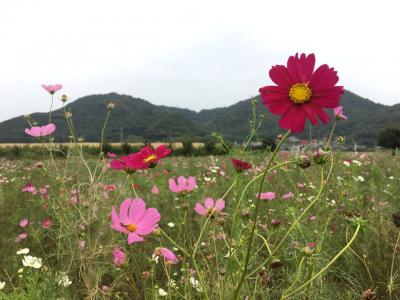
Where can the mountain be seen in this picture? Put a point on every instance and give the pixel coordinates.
(135, 119)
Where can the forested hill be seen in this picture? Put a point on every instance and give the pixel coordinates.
(135, 119)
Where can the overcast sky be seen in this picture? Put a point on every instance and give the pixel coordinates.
(192, 54)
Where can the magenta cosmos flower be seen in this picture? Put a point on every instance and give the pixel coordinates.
(338, 112)
(52, 88)
(126, 163)
(119, 256)
(267, 196)
(184, 185)
(210, 207)
(134, 219)
(37, 131)
(148, 157)
(169, 256)
(301, 93)
(240, 165)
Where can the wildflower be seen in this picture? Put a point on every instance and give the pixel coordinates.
(46, 223)
(169, 256)
(287, 196)
(23, 251)
(162, 292)
(301, 93)
(267, 196)
(63, 280)
(37, 131)
(119, 256)
(2, 285)
(240, 165)
(125, 163)
(23, 223)
(196, 284)
(184, 185)
(210, 207)
(21, 236)
(155, 190)
(32, 261)
(52, 88)
(134, 219)
(148, 157)
(171, 225)
(111, 155)
(338, 112)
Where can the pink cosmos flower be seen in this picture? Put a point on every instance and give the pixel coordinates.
(155, 190)
(184, 185)
(169, 256)
(210, 207)
(29, 188)
(46, 223)
(21, 236)
(287, 196)
(301, 93)
(267, 196)
(37, 131)
(111, 155)
(119, 256)
(125, 163)
(338, 112)
(23, 223)
(52, 88)
(134, 219)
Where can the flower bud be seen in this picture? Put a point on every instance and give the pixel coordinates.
(64, 98)
(320, 157)
(276, 263)
(308, 251)
(303, 162)
(110, 105)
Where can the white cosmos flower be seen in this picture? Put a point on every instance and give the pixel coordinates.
(2, 284)
(32, 261)
(23, 251)
(162, 293)
(63, 280)
(170, 224)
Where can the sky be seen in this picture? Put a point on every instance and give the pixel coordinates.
(189, 54)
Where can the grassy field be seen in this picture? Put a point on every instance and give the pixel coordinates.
(334, 242)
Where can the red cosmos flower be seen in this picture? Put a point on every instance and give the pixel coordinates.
(240, 165)
(301, 93)
(148, 157)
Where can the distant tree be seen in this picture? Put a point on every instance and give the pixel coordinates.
(389, 138)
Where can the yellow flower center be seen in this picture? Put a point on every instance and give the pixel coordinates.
(131, 227)
(300, 93)
(150, 158)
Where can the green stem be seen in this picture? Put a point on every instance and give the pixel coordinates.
(255, 217)
(327, 265)
(51, 107)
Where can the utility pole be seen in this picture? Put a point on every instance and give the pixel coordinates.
(122, 135)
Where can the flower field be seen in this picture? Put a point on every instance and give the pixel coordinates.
(315, 223)
(74, 253)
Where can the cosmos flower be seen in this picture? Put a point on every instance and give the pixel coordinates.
(52, 88)
(119, 256)
(37, 131)
(267, 196)
(184, 185)
(169, 256)
(338, 112)
(125, 163)
(32, 261)
(210, 207)
(23, 223)
(240, 165)
(301, 93)
(134, 219)
(148, 157)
